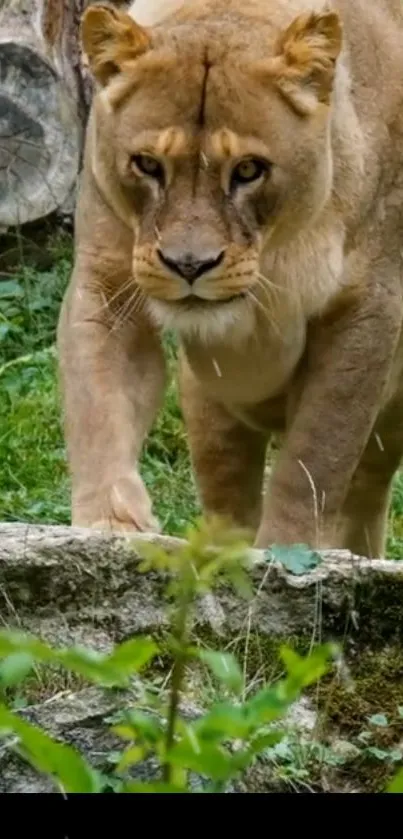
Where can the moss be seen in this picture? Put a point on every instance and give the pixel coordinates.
(374, 686)
(258, 655)
(379, 606)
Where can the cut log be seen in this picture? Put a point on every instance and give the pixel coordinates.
(45, 93)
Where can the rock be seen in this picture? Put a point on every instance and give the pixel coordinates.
(93, 579)
(77, 586)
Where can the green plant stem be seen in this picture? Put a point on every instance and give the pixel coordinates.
(176, 681)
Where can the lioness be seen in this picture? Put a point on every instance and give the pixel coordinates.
(242, 185)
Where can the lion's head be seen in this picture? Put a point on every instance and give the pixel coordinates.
(212, 138)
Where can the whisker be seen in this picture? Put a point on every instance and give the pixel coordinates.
(136, 303)
(109, 300)
(266, 290)
(123, 314)
(272, 301)
(272, 323)
(271, 284)
(127, 309)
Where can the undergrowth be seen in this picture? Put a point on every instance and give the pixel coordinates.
(34, 481)
(206, 754)
(201, 755)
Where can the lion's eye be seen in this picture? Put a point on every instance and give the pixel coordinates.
(248, 170)
(148, 165)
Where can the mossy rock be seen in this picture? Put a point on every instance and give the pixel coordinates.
(372, 688)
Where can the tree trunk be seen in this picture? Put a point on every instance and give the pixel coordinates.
(45, 92)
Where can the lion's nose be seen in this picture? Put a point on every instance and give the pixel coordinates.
(188, 266)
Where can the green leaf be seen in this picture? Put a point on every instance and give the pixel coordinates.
(58, 760)
(379, 719)
(207, 759)
(17, 642)
(267, 705)
(158, 786)
(114, 757)
(108, 670)
(18, 703)
(400, 711)
(379, 754)
(297, 559)
(240, 582)
(91, 664)
(133, 655)
(396, 784)
(179, 777)
(225, 667)
(265, 741)
(132, 756)
(10, 288)
(240, 760)
(137, 725)
(107, 783)
(124, 731)
(304, 671)
(223, 721)
(14, 669)
(271, 702)
(5, 329)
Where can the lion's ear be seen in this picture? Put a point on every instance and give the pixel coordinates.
(111, 40)
(306, 54)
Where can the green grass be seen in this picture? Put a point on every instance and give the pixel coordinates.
(34, 483)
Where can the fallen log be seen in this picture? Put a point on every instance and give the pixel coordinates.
(45, 92)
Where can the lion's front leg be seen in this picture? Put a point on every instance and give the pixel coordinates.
(228, 458)
(349, 357)
(112, 384)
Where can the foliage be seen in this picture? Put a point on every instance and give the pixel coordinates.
(396, 784)
(216, 746)
(300, 761)
(29, 305)
(34, 482)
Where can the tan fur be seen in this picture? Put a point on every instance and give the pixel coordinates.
(295, 324)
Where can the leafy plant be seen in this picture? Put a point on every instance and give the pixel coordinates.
(214, 747)
(300, 760)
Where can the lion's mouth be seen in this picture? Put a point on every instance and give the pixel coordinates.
(193, 302)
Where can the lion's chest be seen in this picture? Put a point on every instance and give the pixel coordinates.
(241, 377)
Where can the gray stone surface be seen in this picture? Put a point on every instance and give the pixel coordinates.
(72, 581)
